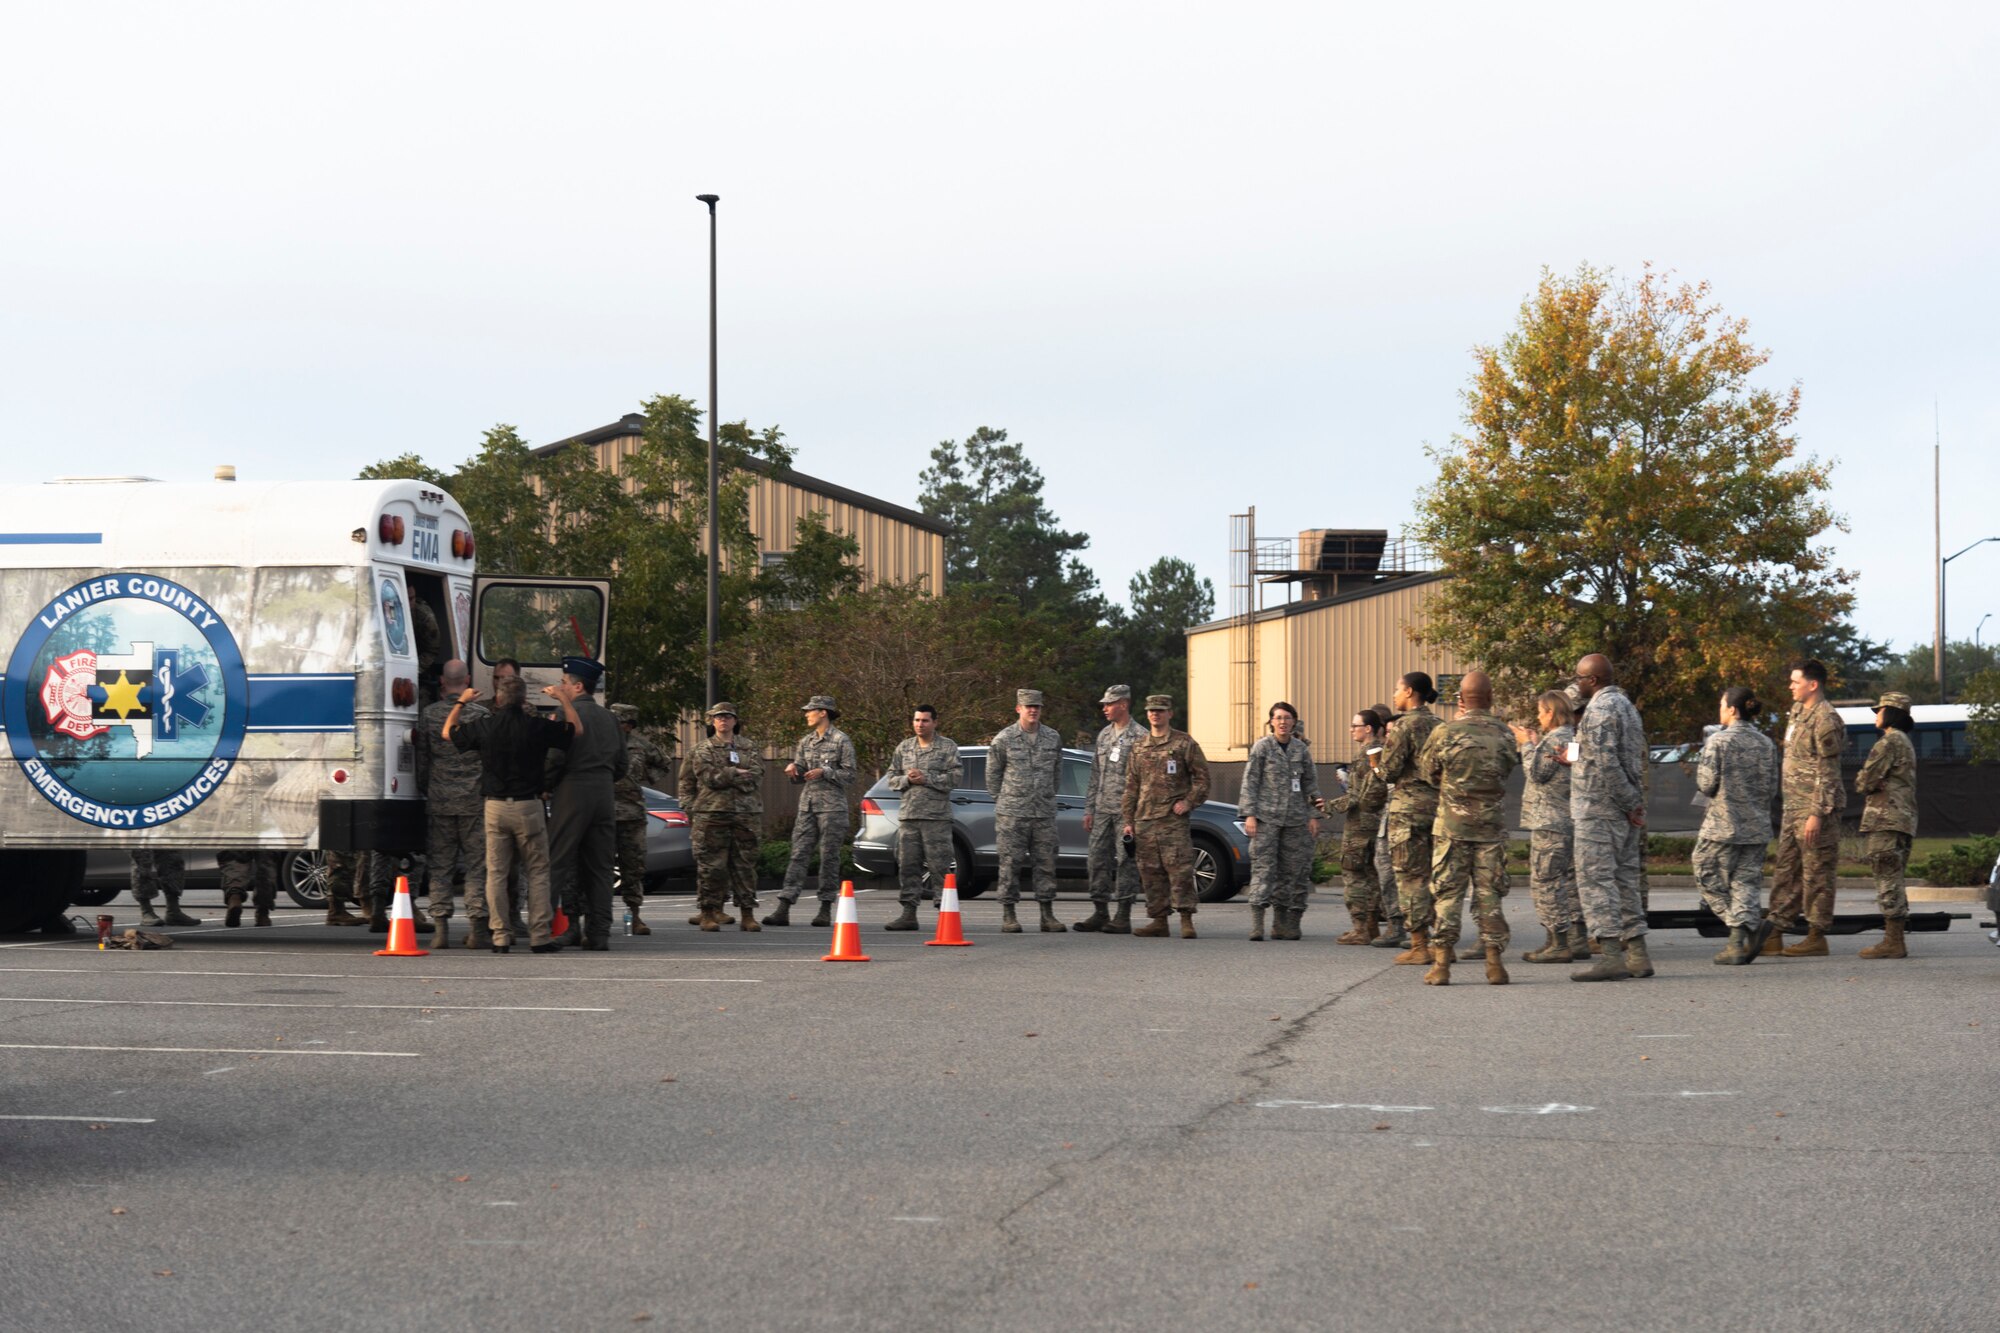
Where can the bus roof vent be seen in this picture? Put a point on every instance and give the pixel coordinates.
(97, 481)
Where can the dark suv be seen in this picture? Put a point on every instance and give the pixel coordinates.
(1221, 848)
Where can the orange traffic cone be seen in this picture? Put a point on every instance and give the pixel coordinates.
(846, 929)
(949, 922)
(402, 926)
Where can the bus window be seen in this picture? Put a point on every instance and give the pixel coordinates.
(538, 625)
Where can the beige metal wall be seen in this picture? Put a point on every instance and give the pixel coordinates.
(1326, 661)
(891, 551)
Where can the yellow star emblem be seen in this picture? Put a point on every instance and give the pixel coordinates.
(122, 697)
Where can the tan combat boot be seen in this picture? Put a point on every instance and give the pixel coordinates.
(1440, 973)
(1812, 946)
(1579, 944)
(1774, 946)
(1496, 966)
(639, 927)
(1609, 966)
(440, 931)
(709, 920)
(722, 918)
(338, 915)
(1153, 929)
(1256, 923)
(1892, 941)
(1419, 951)
(1555, 950)
(1187, 925)
(1637, 961)
(1362, 931)
(1121, 921)
(749, 917)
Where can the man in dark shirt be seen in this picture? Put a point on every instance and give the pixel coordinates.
(512, 745)
(583, 828)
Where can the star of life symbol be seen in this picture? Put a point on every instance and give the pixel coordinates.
(87, 693)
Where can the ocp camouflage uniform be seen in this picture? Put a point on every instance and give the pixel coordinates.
(1113, 877)
(1551, 833)
(722, 789)
(1606, 784)
(1803, 878)
(251, 873)
(923, 818)
(1022, 768)
(1412, 811)
(156, 871)
(1738, 772)
(455, 808)
(1361, 808)
(821, 824)
(1165, 769)
(366, 878)
(1888, 779)
(645, 766)
(1280, 784)
(1469, 760)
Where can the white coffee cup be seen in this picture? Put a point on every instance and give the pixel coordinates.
(1575, 751)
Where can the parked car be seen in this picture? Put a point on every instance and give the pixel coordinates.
(302, 876)
(1221, 848)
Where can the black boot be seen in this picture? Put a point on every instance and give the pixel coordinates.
(907, 921)
(176, 917)
(824, 917)
(232, 917)
(1097, 920)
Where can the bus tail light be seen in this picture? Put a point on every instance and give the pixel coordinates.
(390, 530)
(461, 544)
(403, 692)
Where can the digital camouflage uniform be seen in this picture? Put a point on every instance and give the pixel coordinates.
(1888, 779)
(923, 818)
(820, 827)
(1280, 786)
(1412, 811)
(1165, 769)
(722, 789)
(1606, 784)
(1022, 768)
(1803, 878)
(1551, 834)
(1114, 877)
(645, 766)
(1361, 807)
(158, 871)
(1469, 760)
(1738, 772)
(250, 873)
(455, 809)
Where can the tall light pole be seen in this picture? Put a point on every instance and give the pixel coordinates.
(1942, 570)
(714, 542)
(1980, 626)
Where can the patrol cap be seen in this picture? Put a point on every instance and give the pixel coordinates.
(1893, 699)
(625, 712)
(822, 701)
(721, 710)
(1030, 698)
(586, 669)
(1115, 693)
(1163, 702)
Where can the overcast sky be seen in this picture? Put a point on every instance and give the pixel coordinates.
(1195, 258)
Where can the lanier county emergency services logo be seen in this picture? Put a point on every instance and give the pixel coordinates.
(125, 701)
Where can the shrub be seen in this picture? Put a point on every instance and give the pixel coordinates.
(1962, 865)
(1664, 848)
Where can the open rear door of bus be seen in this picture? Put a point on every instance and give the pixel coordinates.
(535, 621)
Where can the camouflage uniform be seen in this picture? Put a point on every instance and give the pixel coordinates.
(1551, 834)
(722, 789)
(455, 808)
(1738, 772)
(1385, 874)
(1412, 811)
(923, 820)
(1888, 779)
(250, 873)
(645, 766)
(1113, 878)
(821, 824)
(1280, 784)
(1165, 769)
(1803, 878)
(1469, 760)
(365, 878)
(1361, 806)
(1022, 768)
(158, 871)
(1606, 784)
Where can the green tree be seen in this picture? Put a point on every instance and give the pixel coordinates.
(1914, 671)
(1855, 661)
(1151, 638)
(1004, 540)
(1982, 697)
(819, 566)
(1623, 487)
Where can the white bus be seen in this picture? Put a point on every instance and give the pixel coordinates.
(237, 665)
(1937, 731)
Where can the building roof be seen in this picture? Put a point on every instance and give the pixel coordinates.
(1391, 583)
(633, 424)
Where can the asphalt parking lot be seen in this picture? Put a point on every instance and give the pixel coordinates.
(276, 1129)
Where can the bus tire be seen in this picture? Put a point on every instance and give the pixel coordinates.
(36, 886)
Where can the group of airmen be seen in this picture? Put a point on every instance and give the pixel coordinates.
(1422, 832)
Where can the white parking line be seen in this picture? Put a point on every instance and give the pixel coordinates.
(275, 1004)
(83, 1119)
(384, 976)
(199, 1050)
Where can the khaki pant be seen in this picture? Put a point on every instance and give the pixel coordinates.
(518, 830)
